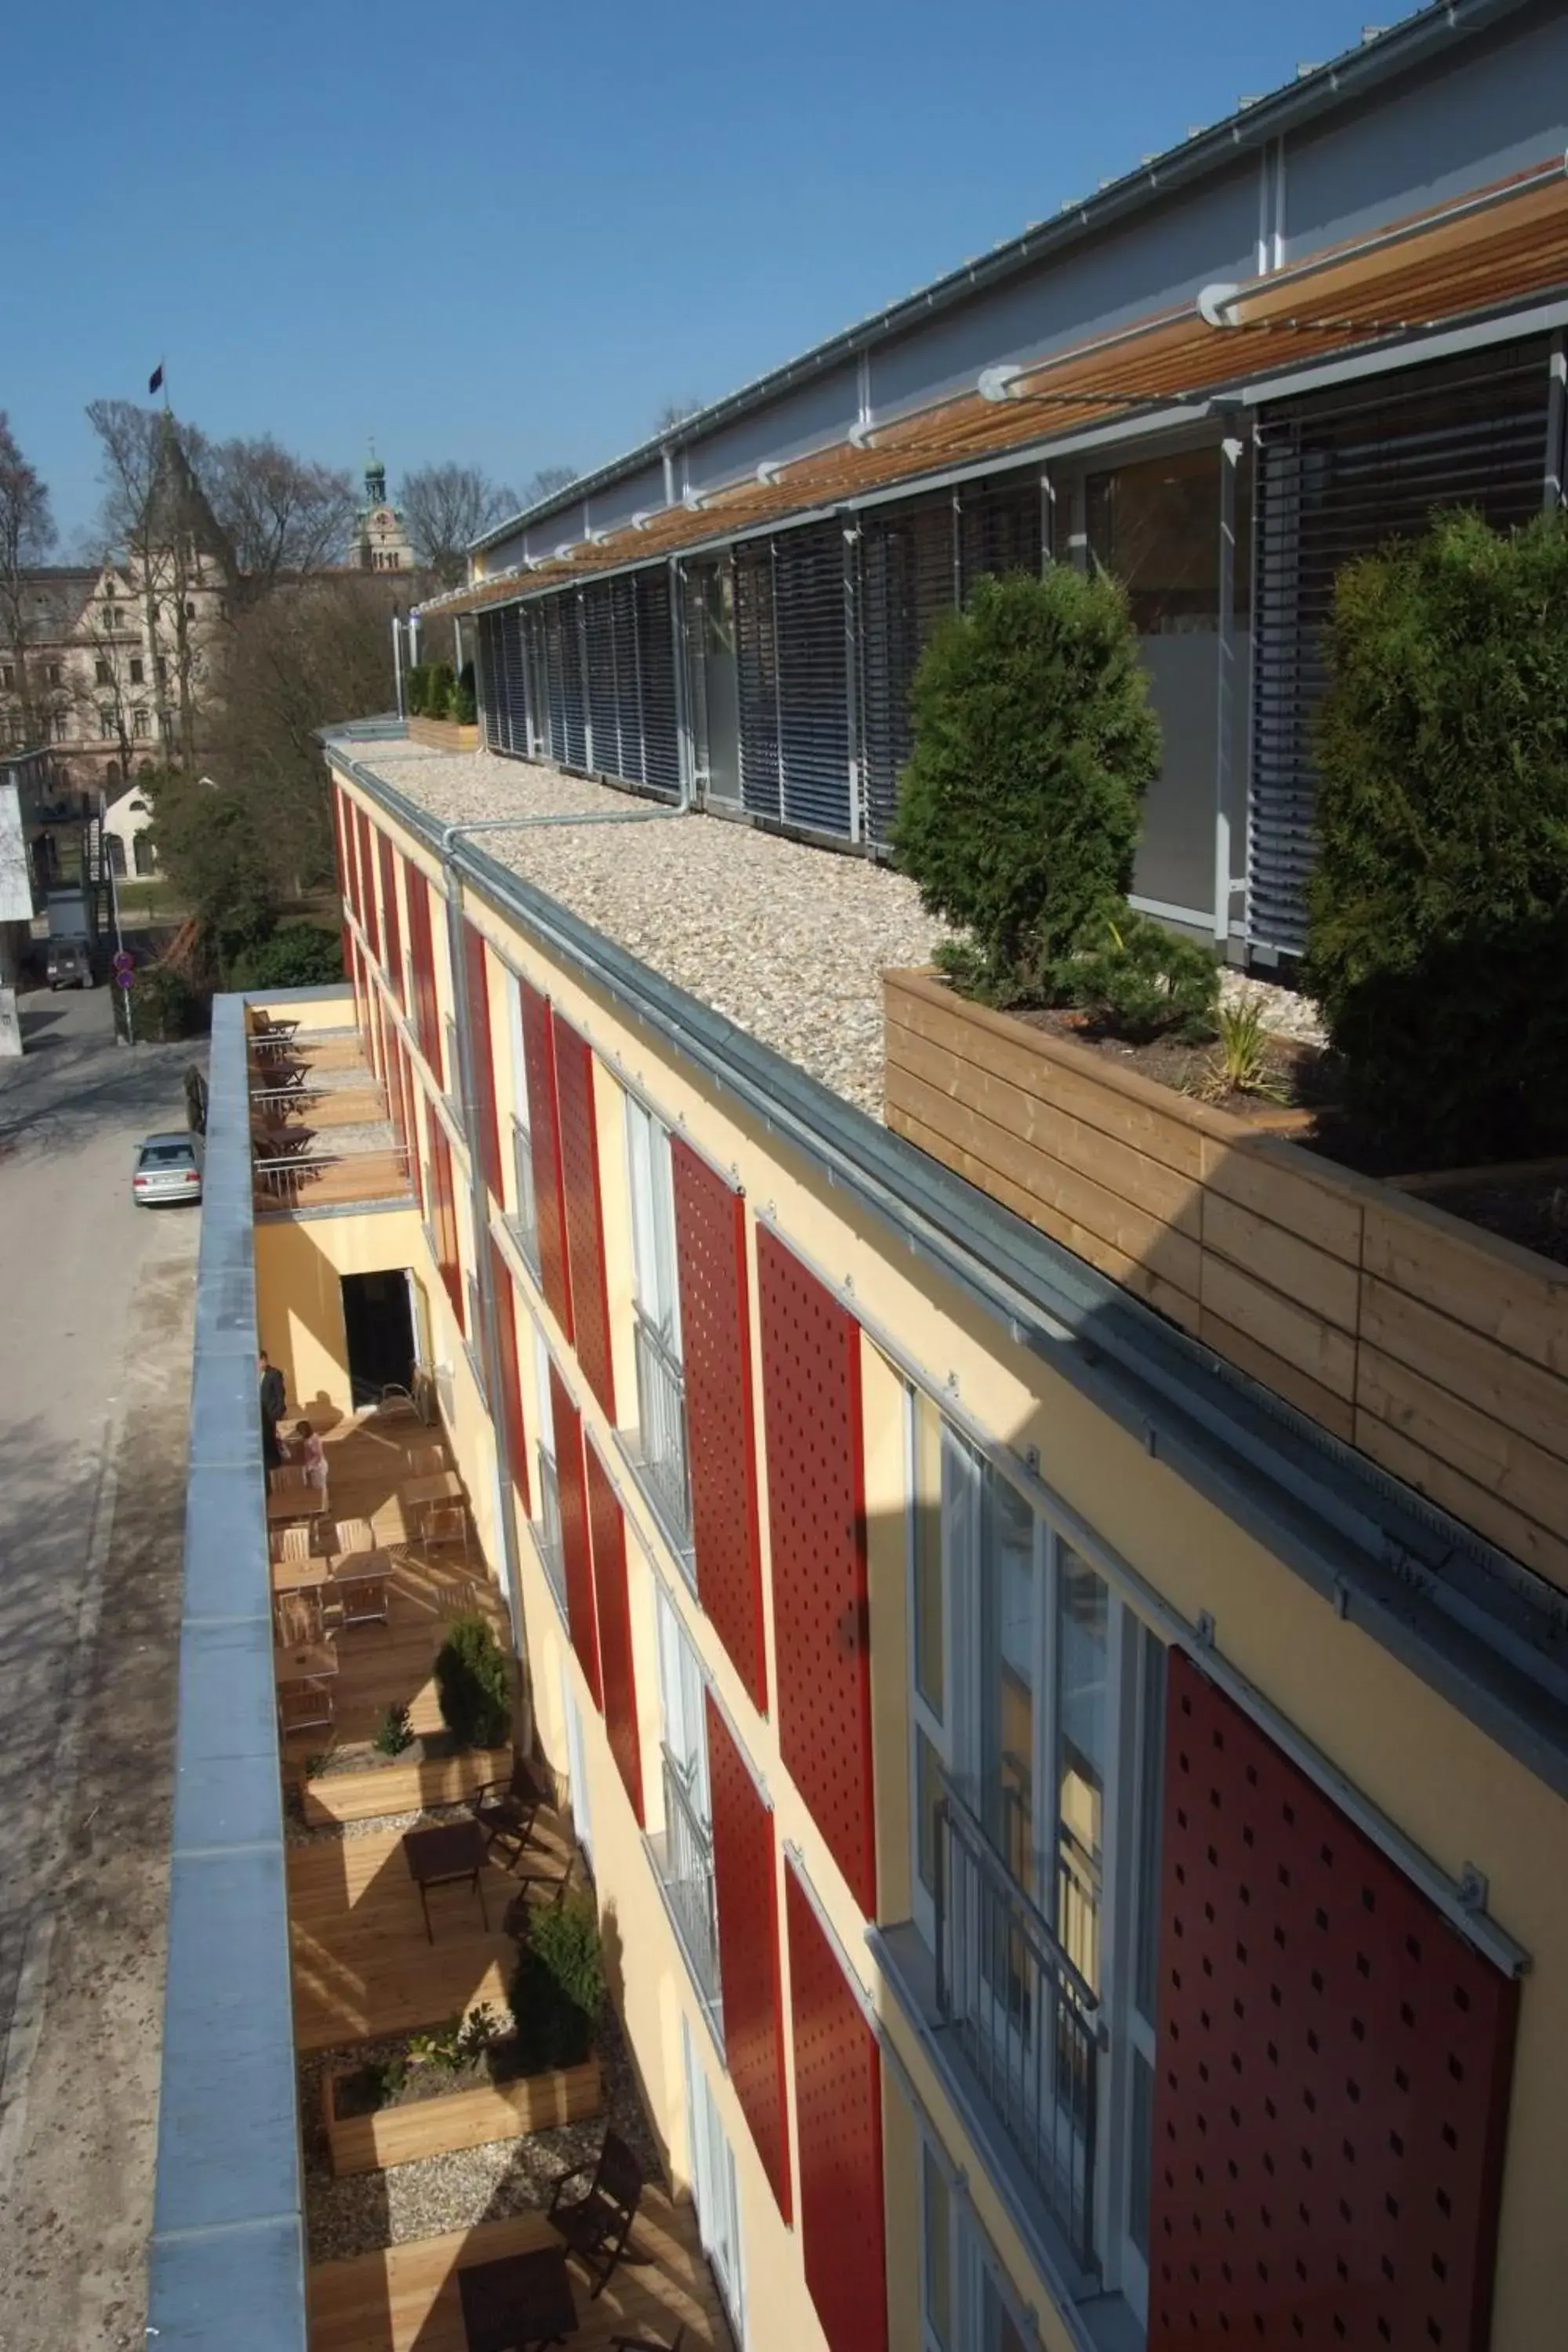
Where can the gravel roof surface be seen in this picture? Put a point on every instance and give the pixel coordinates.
(787, 940)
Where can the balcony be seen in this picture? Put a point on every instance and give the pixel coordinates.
(683, 1857)
(659, 1455)
(1026, 2020)
(320, 1136)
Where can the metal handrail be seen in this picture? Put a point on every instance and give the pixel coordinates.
(1026, 2017)
(661, 1427)
(687, 1870)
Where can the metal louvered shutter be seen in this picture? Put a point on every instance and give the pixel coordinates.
(908, 581)
(656, 666)
(513, 684)
(757, 666)
(628, 696)
(1000, 528)
(532, 627)
(553, 623)
(599, 682)
(573, 701)
(1339, 474)
(813, 676)
(487, 676)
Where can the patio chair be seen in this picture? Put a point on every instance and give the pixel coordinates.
(295, 1543)
(302, 1706)
(447, 1523)
(597, 2223)
(649, 2343)
(297, 1618)
(519, 1921)
(507, 1810)
(427, 1462)
(351, 1536)
(364, 1599)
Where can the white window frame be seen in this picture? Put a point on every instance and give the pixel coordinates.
(576, 1764)
(715, 2191)
(651, 1190)
(682, 1698)
(968, 1483)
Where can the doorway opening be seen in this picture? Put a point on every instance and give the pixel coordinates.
(378, 1319)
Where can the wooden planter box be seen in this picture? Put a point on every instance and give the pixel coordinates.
(435, 2127)
(1438, 1349)
(443, 734)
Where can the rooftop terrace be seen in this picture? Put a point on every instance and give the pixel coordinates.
(785, 940)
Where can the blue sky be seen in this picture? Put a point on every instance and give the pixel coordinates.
(510, 233)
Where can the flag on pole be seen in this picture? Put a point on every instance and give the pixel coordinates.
(155, 380)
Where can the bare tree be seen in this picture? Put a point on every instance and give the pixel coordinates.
(26, 537)
(446, 508)
(674, 413)
(283, 515)
(546, 481)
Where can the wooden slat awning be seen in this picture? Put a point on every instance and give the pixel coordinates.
(1501, 244)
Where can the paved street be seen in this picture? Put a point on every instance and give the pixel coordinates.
(93, 1385)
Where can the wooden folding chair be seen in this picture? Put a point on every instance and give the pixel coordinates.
(444, 1524)
(427, 1462)
(597, 2223)
(352, 1535)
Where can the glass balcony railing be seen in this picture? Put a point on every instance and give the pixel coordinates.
(661, 1432)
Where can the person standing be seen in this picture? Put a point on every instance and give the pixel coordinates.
(273, 1398)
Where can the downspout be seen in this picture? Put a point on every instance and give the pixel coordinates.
(397, 663)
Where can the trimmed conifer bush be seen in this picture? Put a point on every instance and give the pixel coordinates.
(1020, 811)
(465, 707)
(415, 687)
(473, 1683)
(1439, 925)
(440, 686)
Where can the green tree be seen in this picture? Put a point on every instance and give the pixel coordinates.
(1438, 911)
(473, 1683)
(1020, 811)
(211, 845)
(295, 955)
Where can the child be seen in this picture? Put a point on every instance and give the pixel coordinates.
(307, 1452)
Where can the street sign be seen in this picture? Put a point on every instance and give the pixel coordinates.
(126, 978)
(124, 960)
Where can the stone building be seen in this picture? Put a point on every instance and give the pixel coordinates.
(381, 540)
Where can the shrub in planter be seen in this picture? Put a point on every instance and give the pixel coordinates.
(557, 1992)
(1020, 811)
(415, 688)
(394, 1732)
(473, 1682)
(295, 955)
(1141, 981)
(465, 707)
(440, 686)
(1438, 930)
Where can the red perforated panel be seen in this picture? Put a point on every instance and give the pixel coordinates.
(715, 1340)
(811, 1416)
(487, 1124)
(367, 885)
(544, 1149)
(421, 955)
(510, 1373)
(838, 2132)
(1332, 2073)
(444, 1217)
(613, 1606)
(575, 1547)
(746, 1890)
(584, 1221)
(392, 921)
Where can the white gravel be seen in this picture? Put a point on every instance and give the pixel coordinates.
(788, 941)
(1285, 1011)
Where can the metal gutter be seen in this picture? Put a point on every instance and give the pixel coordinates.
(1479, 1628)
(1340, 82)
(228, 2251)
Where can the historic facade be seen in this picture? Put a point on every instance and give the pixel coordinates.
(380, 541)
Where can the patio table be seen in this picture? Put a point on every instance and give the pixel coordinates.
(443, 1486)
(444, 1856)
(295, 1505)
(519, 2303)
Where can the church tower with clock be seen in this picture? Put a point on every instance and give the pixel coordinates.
(381, 543)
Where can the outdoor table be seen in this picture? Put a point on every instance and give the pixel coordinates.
(295, 1505)
(299, 1575)
(519, 2303)
(352, 1564)
(444, 1486)
(444, 1856)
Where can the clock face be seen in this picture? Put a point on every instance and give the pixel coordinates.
(384, 520)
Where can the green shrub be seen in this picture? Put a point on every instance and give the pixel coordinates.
(1141, 981)
(465, 707)
(1020, 811)
(557, 1989)
(440, 685)
(1438, 911)
(293, 955)
(163, 1004)
(473, 1682)
(457, 2044)
(416, 686)
(394, 1732)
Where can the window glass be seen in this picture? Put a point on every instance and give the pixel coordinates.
(930, 1633)
(653, 1222)
(1081, 1690)
(928, 1795)
(1011, 1603)
(1151, 1781)
(938, 2252)
(1000, 2334)
(1155, 527)
(682, 1699)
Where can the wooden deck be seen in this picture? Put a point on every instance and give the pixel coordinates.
(405, 2299)
(403, 1788)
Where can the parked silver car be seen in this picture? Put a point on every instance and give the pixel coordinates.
(168, 1168)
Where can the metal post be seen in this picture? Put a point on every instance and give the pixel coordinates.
(397, 663)
(1231, 453)
(457, 644)
(685, 749)
(859, 828)
(577, 599)
(119, 934)
(1557, 382)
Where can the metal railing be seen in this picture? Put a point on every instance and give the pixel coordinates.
(1027, 2020)
(330, 1178)
(547, 1529)
(525, 1221)
(686, 1867)
(661, 1429)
